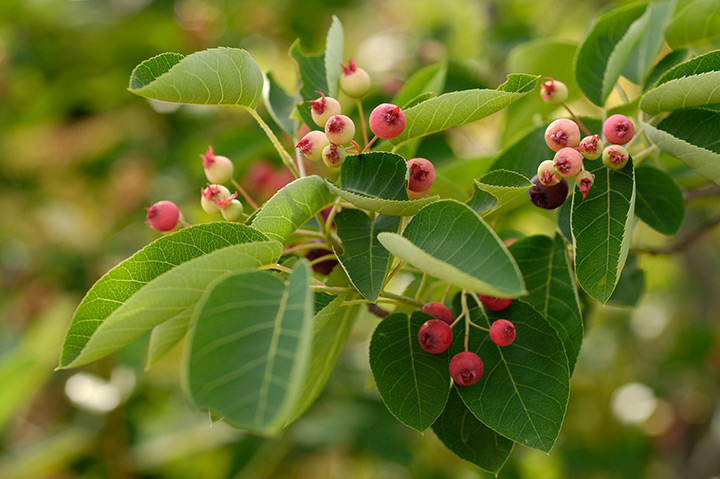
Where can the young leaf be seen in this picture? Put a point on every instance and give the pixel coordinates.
(427, 80)
(646, 51)
(659, 200)
(280, 105)
(364, 259)
(130, 276)
(218, 76)
(524, 390)
(602, 227)
(450, 241)
(605, 50)
(552, 290)
(697, 22)
(461, 107)
(504, 185)
(463, 434)
(291, 207)
(334, 46)
(250, 344)
(413, 384)
(691, 136)
(168, 296)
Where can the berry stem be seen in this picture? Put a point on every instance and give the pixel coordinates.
(392, 274)
(577, 120)
(644, 153)
(284, 155)
(300, 162)
(445, 294)
(184, 223)
(479, 327)
(323, 258)
(314, 234)
(244, 194)
(368, 145)
(421, 287)
(466, 313)
(305, 246)
(361, 113)
(284, 269)
(402, 298)
(457, 320)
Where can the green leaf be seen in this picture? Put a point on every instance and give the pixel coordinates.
(166, 335)
(689, 84)
(250, 346)
(376, 181)
(364, 259)
(427, 80)
(691, 136)
(659, 200)
(606, 49)
(130, 276)
(525, 387)
(413, 384)
(482, 201)
(463, 434)
(552, 289)
(218, 76)
(631, 285)
(504, 185)
(697, 22)
(450, 241)
(280, 105)
(312, 78)
(292, 207)
(334, 46)
(461, 107)
(170, 295)
(667, 62)
(602, 226)
(646, 51)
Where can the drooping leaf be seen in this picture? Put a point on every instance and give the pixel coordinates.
(504, 185)
(250, 344)
(605, 51)
(130, 276)
(280, 105)
(667, 62)
(552, 289)
(364, 259)
(697, 22)
(292, 206)
(427, 80)
(334, 46)
(691, 136)
(602, 227)
(646, 51)
(218, 76)
(524, 390)
(448, 240)
(470, 439)
(413, 383)
(461, 107)
(659, 200)
(631, 285)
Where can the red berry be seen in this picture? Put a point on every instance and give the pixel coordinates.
(466, 368)
(618, 129)
(495, 304)
(387, 121)
(502, 332)
(439, 310)
(421, 175)
(561, 133)
(163, 216)
(568, 162)
(435, 336)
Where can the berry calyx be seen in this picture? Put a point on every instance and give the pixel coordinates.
(339, 129)
(615, 157)
(435, 336)
(591, 147)
(210, 195)
(548, 197)
(387, 121)
(163, 216)
(548, 174)
(466, 368)
(495, 304)
(218, 169)
(584, 180)
(618, 129)
(421, 175)
(502, 332)
(312, 144)
(568, 162)
(333, 156)
(439, 310)
(323, 108)
(553, 92)
(562, 133)
(231, 209)
(354, 81)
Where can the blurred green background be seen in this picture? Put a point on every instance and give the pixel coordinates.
(81, 157)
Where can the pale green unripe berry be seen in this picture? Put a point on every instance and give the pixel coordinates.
(339, 129)
(615, 157)
(553, 92)
(312, 145)
(333, 156)
(233, 211)
(210, 195)
(323, 108)
(354, 81)
(591, 147)
(218, 169)
(584, 180)
(547, 174)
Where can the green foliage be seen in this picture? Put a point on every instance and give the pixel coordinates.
(659, 200)
(698, 21)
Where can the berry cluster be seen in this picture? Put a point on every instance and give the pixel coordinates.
(435, 337)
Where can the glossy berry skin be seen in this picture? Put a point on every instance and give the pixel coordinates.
(584, 180)
(387, 121)
(333, 156)
(312, 144)
(218, 169)
(163, 216)
(466, 368)
(323, 108)
(548, 197)
(421, 175)
(502, 332)
(562, 133)
(553, 92)
(339, 129)
(615, 157)
(568, 162)
(618, 129)
(435, 336)
(495, 304)
(354, 81)
(591, 147)
(548, 174)
(209, 197)
(439, 310)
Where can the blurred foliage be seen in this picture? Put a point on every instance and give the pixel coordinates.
(82, 157)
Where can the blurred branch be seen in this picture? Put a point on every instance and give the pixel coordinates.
(709, 192)
(683, 244)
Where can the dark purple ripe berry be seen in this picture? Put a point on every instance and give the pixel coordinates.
(439, 310)
(502, 332)
(466, 368)
(548, 197)
(323, 267)
(435, 336)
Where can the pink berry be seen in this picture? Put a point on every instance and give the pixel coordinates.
(568, 162)
(339, 129)
(333, 156)
(210, 195)
(553, 92)
(615, 157)
(387, 121)
(312, 144)
(548, 174)
(421, 175)
(561, 133)
(354, 81)
(323, 108)
(502, 332)
(495, 304)
(435, 336)
(466, 368)
(618, 129)
(163, 216)
(218, 169)
(584, 180)
(591, 147)
(439, 310)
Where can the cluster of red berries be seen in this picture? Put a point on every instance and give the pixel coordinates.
(563, 137)
(435, 336)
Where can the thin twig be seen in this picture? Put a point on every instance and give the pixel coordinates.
(683, 244)
(245, 195)
(577, 120)
(361, 113)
